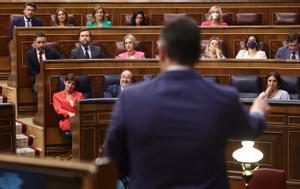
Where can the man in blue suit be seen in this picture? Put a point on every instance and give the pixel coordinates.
(28, 20)
(37, 54)
(292, 50)
(171, 132)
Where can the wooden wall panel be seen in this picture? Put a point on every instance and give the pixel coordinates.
(279, 144)
(7, 128)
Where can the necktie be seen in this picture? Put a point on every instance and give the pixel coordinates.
(87, 56)
(28, 23)
(40, 56)
(293, 55)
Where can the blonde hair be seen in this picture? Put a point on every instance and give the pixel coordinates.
(209, 18)
(207, 49)
(131, 37)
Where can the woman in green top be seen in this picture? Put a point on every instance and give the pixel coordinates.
(99, 16)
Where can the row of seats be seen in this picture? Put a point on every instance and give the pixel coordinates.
(83, 83)
(119, 46)
(282, 18)
(249, 86)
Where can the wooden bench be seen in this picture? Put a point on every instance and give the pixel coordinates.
(7, 128)
(67, 37)
(96, 69)
(38, 173)
(279, 142)
(154, 11)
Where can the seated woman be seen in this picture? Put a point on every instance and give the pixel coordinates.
(215, 17)
(252, 50)
(274, 90)
(213, 50)
(61, 18)
(129, 42)
(138, 19)
(100, 20)
(64, 102)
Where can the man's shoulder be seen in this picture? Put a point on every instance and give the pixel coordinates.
(111, 87)
(17, 20)
(75, 49)
(30, 52)
(97, 47)
(284, 48)
(37, 21)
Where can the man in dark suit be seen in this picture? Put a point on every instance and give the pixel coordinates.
(115, 90)
(38, 53)
(171, 132)
(86, 50)
(291, 50)
(28, 20)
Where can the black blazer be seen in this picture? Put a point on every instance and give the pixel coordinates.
(112, 91)
(33, 65)
(78, 53)
(19, 21)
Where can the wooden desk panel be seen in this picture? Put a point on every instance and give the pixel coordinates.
(7, 128)
(96, 69)
(279, 143)
(20, 79)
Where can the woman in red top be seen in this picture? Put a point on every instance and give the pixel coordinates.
(64, 102)
(215, 17)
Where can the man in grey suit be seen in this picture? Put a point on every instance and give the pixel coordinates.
(291, 50)
(171, 132)
(86, 50)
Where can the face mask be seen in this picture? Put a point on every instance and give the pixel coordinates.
(215, 16)
(251, 44)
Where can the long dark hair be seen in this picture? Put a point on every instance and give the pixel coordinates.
(277, 77)
(132, 23)
(256, 39)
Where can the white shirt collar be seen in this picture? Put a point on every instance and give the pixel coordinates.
(178, 67)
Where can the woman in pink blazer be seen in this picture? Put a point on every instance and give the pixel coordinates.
(129, 42)
(64, 102)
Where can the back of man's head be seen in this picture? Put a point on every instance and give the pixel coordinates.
(181, 38)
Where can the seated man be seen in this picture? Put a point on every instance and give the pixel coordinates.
(114, 91)
(28, 20)
(86, 49)
(292, 50)
(38, 53)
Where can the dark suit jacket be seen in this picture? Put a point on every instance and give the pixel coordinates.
(33, 64)
(112, 91)
(78, 53)
(19, 21)
(284, 53)
(171, 132)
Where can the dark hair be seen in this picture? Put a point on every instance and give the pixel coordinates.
(56, 16)
(38, 34)
(293, 37)
(277, 77)
(181, 37)
(133, 23)
(98, 7)
(30, 4)
(71, 77)
(83, 30)
(256, 39)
